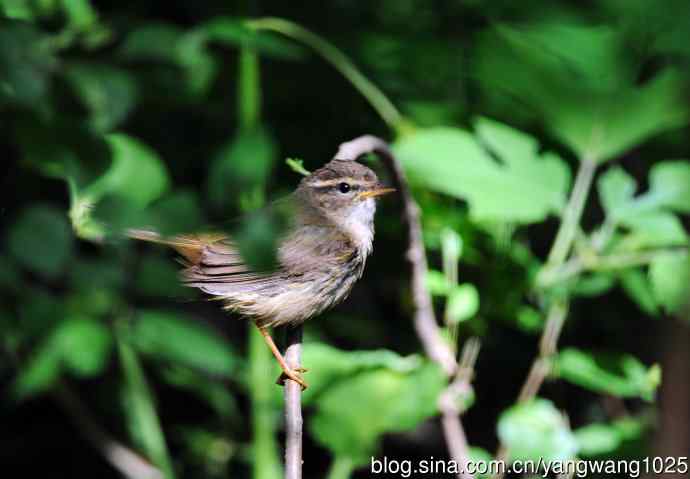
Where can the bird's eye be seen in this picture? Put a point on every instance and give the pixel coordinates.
(344, 187)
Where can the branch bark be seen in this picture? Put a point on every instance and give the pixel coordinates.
(293, 407)
(425, 323)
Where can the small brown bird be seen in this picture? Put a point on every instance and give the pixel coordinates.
(320, 257)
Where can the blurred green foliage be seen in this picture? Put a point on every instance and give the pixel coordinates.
(175, 117)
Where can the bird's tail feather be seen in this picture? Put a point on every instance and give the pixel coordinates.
(189, 246)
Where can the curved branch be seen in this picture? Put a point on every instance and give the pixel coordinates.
(425, 324)
(376, 98)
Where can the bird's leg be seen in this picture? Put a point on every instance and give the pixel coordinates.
(288, 373)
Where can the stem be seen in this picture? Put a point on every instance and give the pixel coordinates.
(541, 367)
(266, 464)
(376, 98)
(341, 468)
(578, 265)
(249, 89)
(293, 407)
(548, 346)
(573, 213)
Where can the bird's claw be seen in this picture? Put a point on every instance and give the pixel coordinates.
(294, 375)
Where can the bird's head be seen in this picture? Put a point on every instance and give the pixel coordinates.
(344, 192)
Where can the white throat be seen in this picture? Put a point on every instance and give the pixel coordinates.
(359, 224)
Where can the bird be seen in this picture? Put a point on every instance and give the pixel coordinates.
(320, 256)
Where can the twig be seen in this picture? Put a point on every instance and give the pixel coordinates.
(547, 349)
(293, 407)
(449, 403)
(567, 231)
(424, 320)
(129, 463)
(340, 62)
(579, 264)
(557, 256)
(573, 212)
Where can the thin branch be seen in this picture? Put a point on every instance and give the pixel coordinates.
(548, 347)
(293, 407)
(424, 320)
(376, 98)
(450, 405)
(129, 463)
(577, 265)
(567, 232)
(573, 212)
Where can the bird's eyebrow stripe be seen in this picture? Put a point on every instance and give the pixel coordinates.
(337, 181)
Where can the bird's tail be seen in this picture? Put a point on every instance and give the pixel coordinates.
(189, 246)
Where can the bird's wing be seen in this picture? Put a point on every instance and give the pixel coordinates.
(212, 263)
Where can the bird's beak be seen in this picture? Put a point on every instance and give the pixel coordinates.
(376, 191)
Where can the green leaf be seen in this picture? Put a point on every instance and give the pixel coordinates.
(597, 439)
(335, 365)
(154, 41)
(215, 393)
(85, 345)
(593, 284)
(669, 188)
(116, 200)
(81, 14)
(437, 283)
(622, 375)
(18, 9)
(234, 32)
(524, 186)
(258, 234)
(158, 277)
(378, 401)
(27, 62)
(176, 338)
(240, 167)
(139, 407)
(40, 373)
(637, 286)
(590, 100)
(481, 458)
(530, 320)
(199, 64)
(167, 43)
(621, 121)
(670, 185)
(616, 189)
(136, 173)
(463, 303)
(536, 429)
(81, 345)
(669, 275)
(653, 229)
(178, 212)
(41, 240)
(108, 93)
(297, 166)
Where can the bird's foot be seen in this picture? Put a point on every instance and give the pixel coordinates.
(294, 375)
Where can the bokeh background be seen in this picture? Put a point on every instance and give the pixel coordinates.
(180, 115)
